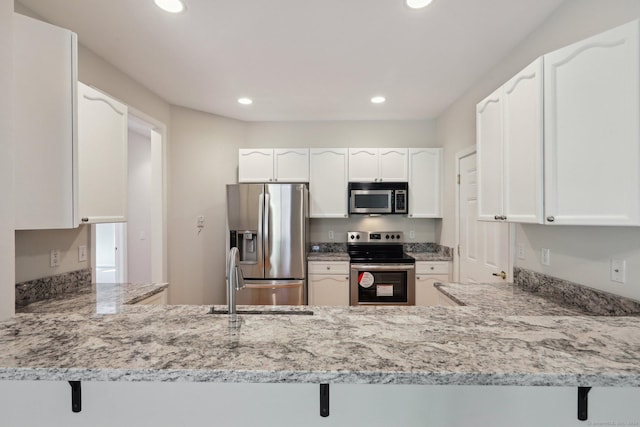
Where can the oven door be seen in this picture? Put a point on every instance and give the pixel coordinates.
(382, 284)
(370, 201)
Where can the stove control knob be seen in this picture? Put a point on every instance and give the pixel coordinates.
(353, 237)
(386, 237)
(358, 236)
(398, 236)
(393, 236)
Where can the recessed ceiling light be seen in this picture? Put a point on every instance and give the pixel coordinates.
(245, 101)
(378, 99)
(171, 6)
(418, 4)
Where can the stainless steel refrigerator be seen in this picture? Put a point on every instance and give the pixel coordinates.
(269, 224)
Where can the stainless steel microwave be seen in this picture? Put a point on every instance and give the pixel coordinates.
(378, 197)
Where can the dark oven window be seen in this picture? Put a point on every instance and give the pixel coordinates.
(382, 286)
(375, 201)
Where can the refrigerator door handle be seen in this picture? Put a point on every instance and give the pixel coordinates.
(267, 236)
(260, 239)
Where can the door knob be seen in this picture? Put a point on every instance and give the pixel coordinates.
(502, 275)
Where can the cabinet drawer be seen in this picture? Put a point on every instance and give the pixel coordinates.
(328, 267)
(440, 267)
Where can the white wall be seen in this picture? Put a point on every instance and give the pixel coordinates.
(139, 209)
(579, 254)
(7, 288)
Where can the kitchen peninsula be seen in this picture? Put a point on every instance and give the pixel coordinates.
(502, 336)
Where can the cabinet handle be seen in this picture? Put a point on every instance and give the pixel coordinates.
(328, 268)
(418, 277)
(85, 219)
(497, 217)
(551, 218)
(432, 268)
(502, 275)
(504, 218)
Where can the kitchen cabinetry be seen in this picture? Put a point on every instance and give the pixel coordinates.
(45, 131)
(579, 106)
(273, 165)
(510, 147)
(102, 157)
(328, 182)
(378, 164)
(329, 283)
(156, 299)
(425, 182)
(428, 273)
(592, 137)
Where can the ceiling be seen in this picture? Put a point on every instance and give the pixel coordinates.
(303, 60)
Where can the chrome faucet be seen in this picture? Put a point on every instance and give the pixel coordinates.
(235, 281)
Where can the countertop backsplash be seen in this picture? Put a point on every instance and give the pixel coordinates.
(52, 287)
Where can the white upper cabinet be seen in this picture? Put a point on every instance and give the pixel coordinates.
(489, 153)
(592, 140)
(523, 146)
(328, 182)
(45, 132)
(378, 164)
(102, 157)
(273, 165)
(291, 164)
(425, 182)
(255, 165)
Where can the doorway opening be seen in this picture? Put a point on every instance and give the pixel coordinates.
(135, 251)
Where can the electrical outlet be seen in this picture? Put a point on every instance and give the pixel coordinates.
(331, 236)
(200, 221)
(545, 256)
(618, 270)
(412, 234)
(521, 252)
(82, 253)
(54, 259)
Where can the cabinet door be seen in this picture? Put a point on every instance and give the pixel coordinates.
(591, 109)
(426, 293)
(363, 164)
(255, 165)
(328, 183)
(393, 164)
(45, 130)
(425, 182)
(523, 149)
(332, 290)
(291, 165)
(102, 157)
(489, 148)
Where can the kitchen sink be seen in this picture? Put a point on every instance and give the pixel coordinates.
(212, 310)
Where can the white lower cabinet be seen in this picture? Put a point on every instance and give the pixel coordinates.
(329, 283)
(161, 298)
(427, 274)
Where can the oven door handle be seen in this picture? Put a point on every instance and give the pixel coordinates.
(383, 267)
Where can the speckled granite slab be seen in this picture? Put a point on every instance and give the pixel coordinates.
(101, 298)
(328, 256)
(374, 345)
(52, 287)
(573, 295)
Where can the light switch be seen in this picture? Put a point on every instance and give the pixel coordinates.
(200, 221)
(545, 256)
(331, 236)
(521, 252)
(82, 253)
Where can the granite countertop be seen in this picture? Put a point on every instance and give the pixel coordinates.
(429, 256)
(328, 256)
(491, 341)
(100, 298)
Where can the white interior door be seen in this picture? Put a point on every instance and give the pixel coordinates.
(110, 253)
(483, 246)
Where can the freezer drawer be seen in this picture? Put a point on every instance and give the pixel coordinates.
(273, 292)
